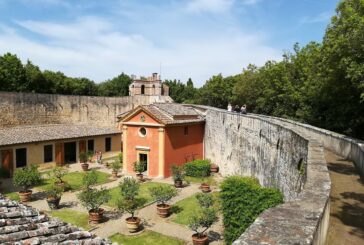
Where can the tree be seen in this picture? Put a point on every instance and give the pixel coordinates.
(36, 82)
(118, 86)
(12, 74)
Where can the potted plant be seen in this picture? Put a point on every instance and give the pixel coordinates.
(120, 157)
(83, 159)
(162, 194)
(115, 166)
(201, 222)
(54, 194)
(58, 173)
(205, 187)
(26, 178)
(92, 198)
(139, 169)
(178, 175)
(214, 168)
(129, 189)
(90, 155)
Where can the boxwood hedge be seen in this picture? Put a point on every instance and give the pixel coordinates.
(243, 199)
(198, 168)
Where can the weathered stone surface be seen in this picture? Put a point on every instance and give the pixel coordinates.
(30, 108)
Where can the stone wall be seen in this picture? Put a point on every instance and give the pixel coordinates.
(249, 146)
(270, 150)
(30, 108)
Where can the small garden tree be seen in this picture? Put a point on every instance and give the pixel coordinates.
(58, 173)
(115, 166)
(129, 202)
(178, 173)
(139, 168)
(162, 194)
(92, 198)
(54, 194)
(26, 178)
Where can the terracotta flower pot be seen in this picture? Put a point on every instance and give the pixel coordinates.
(214, 168)
(84, 166)
(163, 210)
(25, 196)
(200, 240)
(53, 202)
(140, 177)
(114, 174)
(178, 183)
(205, 188)
(96, 217)
(132, 224)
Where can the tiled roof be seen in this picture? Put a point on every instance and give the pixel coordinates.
(20, 224)
(170, 113)
(37, 133)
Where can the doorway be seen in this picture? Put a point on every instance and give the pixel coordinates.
(143, 158)
(70, 152)
(7, 161)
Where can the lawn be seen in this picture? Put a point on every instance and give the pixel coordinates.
(188, 207)
(73, 217)
(12, 195)
(208, 180)
(143, 193)
(145, 238)
(74, 180)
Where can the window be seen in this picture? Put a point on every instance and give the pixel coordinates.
(142, 89)
(108, 144)
(21, 157)
(48, 153)
(186, 130)
(142, 132)
(91, 145)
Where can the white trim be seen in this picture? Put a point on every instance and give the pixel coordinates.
(143, 124)
(142, 148)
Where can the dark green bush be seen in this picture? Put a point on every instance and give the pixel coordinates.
(243, 199)
(198, 168)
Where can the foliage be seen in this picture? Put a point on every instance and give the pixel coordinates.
(116, 165)
(58, 173)
(120, 157)
(90, 155)
(118, 86)
(92, 198)
(178, 172)
(138, 167)
(55, 191)
(163, 193)
(205, 218)
(198, 168)
(242, 200)
(26, 177)
(129, 189)
(83, 157)
(4, 173)
(204, 200)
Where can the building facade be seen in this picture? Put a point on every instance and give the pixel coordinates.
(150, 86)
(160, 135)
(54, 144)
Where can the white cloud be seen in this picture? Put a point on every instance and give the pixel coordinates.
(214, 6)
(92, 47)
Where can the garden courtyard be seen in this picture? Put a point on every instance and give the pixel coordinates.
(154, 229)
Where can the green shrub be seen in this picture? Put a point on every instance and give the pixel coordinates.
(243, 199)
(57, 173)
(178, 172)
(27, 177)
(198, 168)
(163, 193)
(120, 157)
(129, 190)
(139, 167)
(116, 165)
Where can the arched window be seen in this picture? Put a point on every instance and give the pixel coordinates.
(142, 89)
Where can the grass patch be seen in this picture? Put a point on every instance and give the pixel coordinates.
(143, 193)
(73, 217)
(74, 180)
(188, 207)
(208, 180)
(146, 238)
(12, 195)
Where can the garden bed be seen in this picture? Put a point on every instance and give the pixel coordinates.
(146, 238)
(73, 217)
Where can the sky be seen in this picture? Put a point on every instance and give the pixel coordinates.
(181, 38)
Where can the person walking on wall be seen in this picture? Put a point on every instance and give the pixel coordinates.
(243, 109)
(237, 109)
(229, 108)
